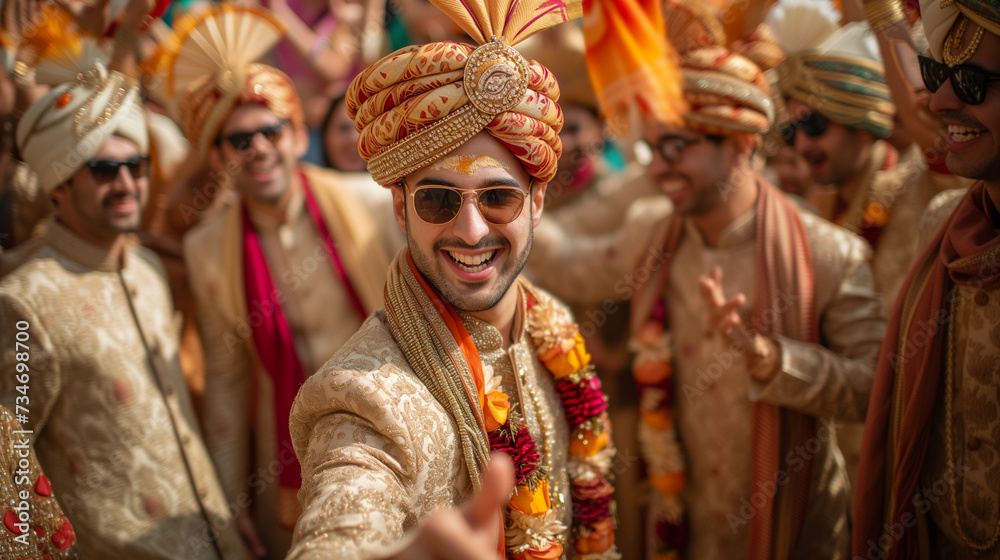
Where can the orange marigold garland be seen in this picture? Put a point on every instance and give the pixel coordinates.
(661, 450)
(532, 528)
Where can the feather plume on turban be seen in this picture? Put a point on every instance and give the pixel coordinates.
(207, 68)
(421, 102)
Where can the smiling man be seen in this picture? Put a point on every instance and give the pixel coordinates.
(840, 113)
(95, 373)
(283, 276)
(928, 486)
(755, 324)
(467, 358)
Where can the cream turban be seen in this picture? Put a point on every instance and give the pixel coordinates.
(66, 127)
(843, 79)
(938, 17)
(419, 103)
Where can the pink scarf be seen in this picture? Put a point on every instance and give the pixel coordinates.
(272, 338)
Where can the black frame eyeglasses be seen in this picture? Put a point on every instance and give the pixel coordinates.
(671, 148)
(241, 141)
(105, 170)
(440, 204)
(968, 82)
(813, 125)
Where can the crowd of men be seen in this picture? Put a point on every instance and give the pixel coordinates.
(473, 280)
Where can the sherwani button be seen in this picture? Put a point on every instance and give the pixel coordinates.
(974, 444)
(982, 298)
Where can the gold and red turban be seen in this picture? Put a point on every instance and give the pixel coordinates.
(726, 91)
(719, 91)
(421, 102)
(207, 67)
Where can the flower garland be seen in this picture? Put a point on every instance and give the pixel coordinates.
(532, 529)
(652, 368)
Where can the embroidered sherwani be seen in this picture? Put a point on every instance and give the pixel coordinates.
(715, 394)
(975, 417)
(239, 392)
(379, 453)
(113, 424)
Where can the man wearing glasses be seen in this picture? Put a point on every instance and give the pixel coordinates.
(928, 484)
(283, 276)
(840, 112)
(90, 364)
(755, 324)
(467, 358)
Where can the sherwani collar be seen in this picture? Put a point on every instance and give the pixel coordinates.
(742, 230)
(266, 224)
(64, 240)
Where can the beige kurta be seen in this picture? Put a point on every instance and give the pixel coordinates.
(239, 393)
(113, 425)
(379, 453)
(714, 392)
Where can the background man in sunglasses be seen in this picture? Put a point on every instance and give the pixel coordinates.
(283, 276)
(840, 111)
(467, 358)
(755, 324)
(92, 366)
(934, 416)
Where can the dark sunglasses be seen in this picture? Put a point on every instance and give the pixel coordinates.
(241, 141)
(440, 204)
(105, 170)
(968, 82)
(814, 125)
(671, 148)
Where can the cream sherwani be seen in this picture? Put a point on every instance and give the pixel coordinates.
(715, 395)
(113, 424)
(379, 453)
(239, 394)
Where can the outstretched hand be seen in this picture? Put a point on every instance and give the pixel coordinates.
(763, 357)
(472, 532)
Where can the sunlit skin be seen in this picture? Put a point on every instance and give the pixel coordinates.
(340, 142)
(265, 174)
(837, 157)
(711, 183)
(972, 132)
(101, 212)
(486, 294)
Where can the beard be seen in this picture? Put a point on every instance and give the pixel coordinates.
(470, 297)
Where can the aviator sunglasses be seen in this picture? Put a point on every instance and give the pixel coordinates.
(105, 170)
(968, 82)
(241, 141)
(814, 126)
(440, 204)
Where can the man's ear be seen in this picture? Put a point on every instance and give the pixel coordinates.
(301, 141)
(399, 205)
(538, 202)
(215, 159)
(59, 194)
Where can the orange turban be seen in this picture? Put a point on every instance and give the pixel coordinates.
(207, 68)
(419, 103)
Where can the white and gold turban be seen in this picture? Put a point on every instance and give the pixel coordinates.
(66, 127)
(940, 15)
(421, 102)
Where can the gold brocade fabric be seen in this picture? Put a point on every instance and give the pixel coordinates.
(380, 452)
(113, 425)
(421, 102)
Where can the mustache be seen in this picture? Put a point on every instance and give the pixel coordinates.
(961, 118)
(490, 242)
(112, 198)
